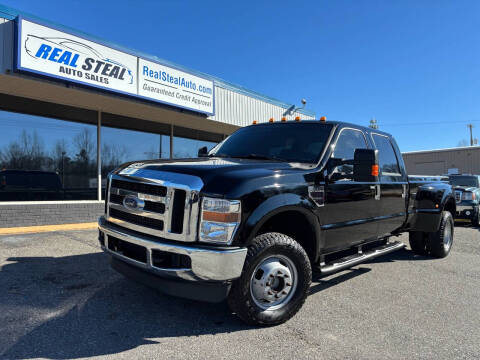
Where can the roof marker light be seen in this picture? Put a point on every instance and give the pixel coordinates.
(271, 120)
(297, 118)
(254, 122)
(284, 118)
(323, 118)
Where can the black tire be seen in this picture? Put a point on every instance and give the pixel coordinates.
(418, 242)
(265, 246)
(442, 240)
(476, 218)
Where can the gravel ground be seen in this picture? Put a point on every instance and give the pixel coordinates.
(59, 299)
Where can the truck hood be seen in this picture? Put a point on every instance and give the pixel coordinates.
(465, 188)
(220, 174)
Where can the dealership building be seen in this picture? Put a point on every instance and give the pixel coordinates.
(73, 107)
(460, 160)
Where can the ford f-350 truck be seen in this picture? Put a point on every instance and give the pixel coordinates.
(249, 220)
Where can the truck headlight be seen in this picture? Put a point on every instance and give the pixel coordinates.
(468, 195)
(219, 220)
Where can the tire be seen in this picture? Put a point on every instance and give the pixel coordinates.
(442, 240)
(269, 254)
(418, 242)
(476, 218)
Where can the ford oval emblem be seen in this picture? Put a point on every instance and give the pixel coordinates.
(131, 202)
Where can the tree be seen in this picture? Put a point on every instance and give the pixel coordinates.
(25, 153)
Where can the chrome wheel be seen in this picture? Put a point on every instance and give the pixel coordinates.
(273, 282)
(447, 237)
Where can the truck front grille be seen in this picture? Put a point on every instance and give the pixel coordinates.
(169, 211)
(135, 219)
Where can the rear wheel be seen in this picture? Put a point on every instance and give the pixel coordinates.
(442, 240)
(274, 283)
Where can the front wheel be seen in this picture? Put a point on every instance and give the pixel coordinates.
(274, 283)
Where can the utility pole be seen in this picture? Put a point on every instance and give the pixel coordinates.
(470, 126)
(373, 124)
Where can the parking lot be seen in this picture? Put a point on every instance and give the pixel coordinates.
(59, 299)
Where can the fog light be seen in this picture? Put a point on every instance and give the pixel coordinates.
(467, 213)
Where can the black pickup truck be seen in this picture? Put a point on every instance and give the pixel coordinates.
(249, 220)
(467, 195)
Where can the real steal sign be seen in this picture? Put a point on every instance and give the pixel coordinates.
(50, 52)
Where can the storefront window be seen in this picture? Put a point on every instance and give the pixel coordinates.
(120, 146)
(46, 159)
(188, 148)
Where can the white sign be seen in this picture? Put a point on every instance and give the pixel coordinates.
(46, 51)
(452, 171)
(159, 82)
(54, 53)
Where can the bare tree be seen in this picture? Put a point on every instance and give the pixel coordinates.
(84, 146)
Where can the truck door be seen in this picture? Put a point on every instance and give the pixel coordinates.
(347, 217)
(393, 185)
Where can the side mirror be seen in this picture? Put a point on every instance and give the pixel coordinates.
(203, 151)
(365, 165)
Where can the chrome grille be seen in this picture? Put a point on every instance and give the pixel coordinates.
(458, 196)
(169, 203)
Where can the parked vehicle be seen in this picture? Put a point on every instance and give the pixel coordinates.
(249, 220)
(30, 185)
(467, 194)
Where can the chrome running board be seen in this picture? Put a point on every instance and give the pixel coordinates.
(349, 261)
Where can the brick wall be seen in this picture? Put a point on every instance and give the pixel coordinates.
(49, 214)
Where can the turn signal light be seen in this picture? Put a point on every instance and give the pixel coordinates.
(221, 216)
(374, 170)
(270, 120)
(284, 118)
(297, 118)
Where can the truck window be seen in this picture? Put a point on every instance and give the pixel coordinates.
(348, 141)
(387, 160)
(292, 142)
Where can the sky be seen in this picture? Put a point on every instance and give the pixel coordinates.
(414, 65)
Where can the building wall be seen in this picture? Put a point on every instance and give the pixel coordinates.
(17, 215)
(437, 162)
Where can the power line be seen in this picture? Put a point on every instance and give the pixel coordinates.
(430, 123)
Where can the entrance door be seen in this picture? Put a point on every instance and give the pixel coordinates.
(347, 217)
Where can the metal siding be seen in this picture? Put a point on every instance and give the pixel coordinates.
(241, 110)
(8, 45)
(3, 46)
(466, 160)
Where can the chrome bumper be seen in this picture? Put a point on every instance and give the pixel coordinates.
(461, 208)
(208, 263)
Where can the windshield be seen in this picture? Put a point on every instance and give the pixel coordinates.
(291, 142)
(467, 181)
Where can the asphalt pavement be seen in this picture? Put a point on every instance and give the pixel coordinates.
(59, 299)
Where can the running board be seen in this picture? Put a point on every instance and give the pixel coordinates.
(349, 261)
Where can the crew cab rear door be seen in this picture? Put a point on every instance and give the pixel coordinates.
(393, 184)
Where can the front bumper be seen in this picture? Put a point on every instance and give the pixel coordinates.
(207, 263)
(466, 212)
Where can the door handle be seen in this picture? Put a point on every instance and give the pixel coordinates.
(377, 191)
